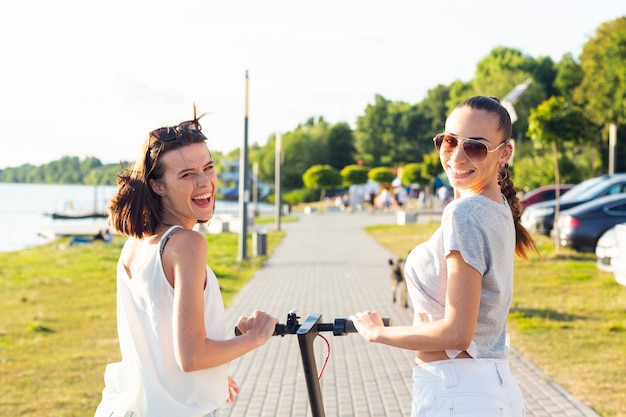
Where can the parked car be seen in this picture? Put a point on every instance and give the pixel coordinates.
(619, 261)
(606, 250)
(580, 227)
(539, 218)
(545, 193)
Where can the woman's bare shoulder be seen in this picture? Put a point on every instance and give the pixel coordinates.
(185, 241)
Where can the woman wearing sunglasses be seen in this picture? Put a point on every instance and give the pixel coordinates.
(461, 280)
(170, 315)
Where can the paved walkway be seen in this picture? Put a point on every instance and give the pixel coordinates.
(327, 264)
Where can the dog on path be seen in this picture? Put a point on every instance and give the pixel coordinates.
(398, 281)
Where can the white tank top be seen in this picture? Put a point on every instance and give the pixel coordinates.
(148, 381)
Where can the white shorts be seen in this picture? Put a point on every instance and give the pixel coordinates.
(466, 387)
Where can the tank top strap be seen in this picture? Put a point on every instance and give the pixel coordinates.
(166, 236)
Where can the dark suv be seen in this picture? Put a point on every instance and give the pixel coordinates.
(539, 218)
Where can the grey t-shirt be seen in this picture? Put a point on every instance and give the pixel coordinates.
(482, 231)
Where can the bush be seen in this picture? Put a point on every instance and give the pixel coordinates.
(295, 197)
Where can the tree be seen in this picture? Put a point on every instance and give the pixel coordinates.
(431, 167)
(459, 91)
(67, 170)
(412, 174)
(503, 69)
(104, 175)
(370, 131)
(603, 62)
(354, 175)
(569, 76)
(381, 175)
(602, 91)
(434, 110)
(322, 177)
(556, 120)
(341, 148)
(391, 133)
(537, 169)
(302, 148)
(406, 138)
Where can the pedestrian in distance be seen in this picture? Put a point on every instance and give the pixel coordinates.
(461, 280)
(401, 197)
(170, 314)
(370, 197)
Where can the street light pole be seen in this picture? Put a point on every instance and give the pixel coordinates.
(278, 161)
(612, 143)
(513, 97)
(243, 189)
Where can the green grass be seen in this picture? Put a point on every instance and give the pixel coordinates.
(57, 327)
(567, 317)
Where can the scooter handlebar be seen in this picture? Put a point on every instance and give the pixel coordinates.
(339, 327)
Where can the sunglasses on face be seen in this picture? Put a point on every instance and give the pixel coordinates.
(475, 150)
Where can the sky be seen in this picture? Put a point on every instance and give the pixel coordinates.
(94, 77)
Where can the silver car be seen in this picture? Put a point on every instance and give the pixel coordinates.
(619, 260)
(606, 250)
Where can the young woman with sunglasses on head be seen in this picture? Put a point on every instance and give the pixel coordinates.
(170, 315)
(461, 280)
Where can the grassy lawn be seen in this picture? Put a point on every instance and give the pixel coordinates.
(57, 328)
(567, 317)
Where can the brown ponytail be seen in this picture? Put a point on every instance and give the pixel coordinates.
(523, 239)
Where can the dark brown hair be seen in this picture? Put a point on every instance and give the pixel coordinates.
(135, 209)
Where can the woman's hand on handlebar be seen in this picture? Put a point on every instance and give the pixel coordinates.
(368, 323)
(259, 324)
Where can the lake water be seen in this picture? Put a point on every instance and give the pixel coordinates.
(23, 209)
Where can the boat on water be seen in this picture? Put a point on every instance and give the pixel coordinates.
(72, 228)
(74, 223)
(74, 215)
(77, 221)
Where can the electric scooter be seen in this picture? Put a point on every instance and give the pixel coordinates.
(307, 332)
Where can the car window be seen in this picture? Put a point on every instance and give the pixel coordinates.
(619, 210)
(585, 190)
(549, 195)
(616, 189)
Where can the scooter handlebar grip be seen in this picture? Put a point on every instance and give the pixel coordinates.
(349, 325)
(279, 330)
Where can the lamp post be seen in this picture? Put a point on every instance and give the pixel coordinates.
(612, 143)
(243, 189)
(513, 97)
(278, 162)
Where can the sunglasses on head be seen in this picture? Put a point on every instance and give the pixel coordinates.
(171, 133)
(474, 149)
